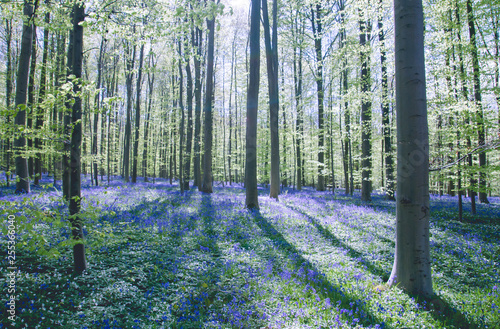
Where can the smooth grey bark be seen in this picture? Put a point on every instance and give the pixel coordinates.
(189, 130)
(412, 265)
(344, 87)
(43, 92)
(388, 158)
(80, 263)
(31, 100)
(112, 116)
(97, 109)
(129, 76)
(135, 153)
(151, 81)
(316, 20)
(197, 37)
(230, 157)
(366, 110)
(271, 44)
(23, 183)
(183, 119)
(252, 200)
(483, 196)
(465, 94)
(8, 94)
(207, 109)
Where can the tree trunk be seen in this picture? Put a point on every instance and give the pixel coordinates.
(252, 200)
(43, 92)
(183, 117)
(209, 93)
(129, 76)
(151, 81)
(272, 77)
(76, 140)
(389, 162)
(97, 108)
(31, 100)
(65, 120)
(411, 270)
(197, 37)
(23, 184)
(8, 93)
(465, 94)
(366, 111)
(318, 33)
(230, 157)
(135, 155)
(344, 86)
(483, 196)
(189, 132)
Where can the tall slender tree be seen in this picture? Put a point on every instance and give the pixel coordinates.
(389, 172)
(151, 81)
(189, 130)
(297, 33)
(197, 39)
(43, 91)
(271, 44)
(138, 89)
(411, 270)
(80, 263)
(483, 196)
(317, 27)
(23, 183)
(8, 93)
(207, 108)
(252, 200)
(366, 110)
(129, 76)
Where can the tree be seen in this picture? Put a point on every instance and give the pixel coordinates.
(135, 154)
(272, 77)
(252, 200)
(8, 92)
(23, 184)
(97, 108)
(151, 81)
(411, 270)
(129, 75)
(317, 27)
(207, 110)
(366, 111)
(483, 198)
(76, 141)
(43, 92)
(297, 78)
(189, 133)
(197, 40)
(389, 174)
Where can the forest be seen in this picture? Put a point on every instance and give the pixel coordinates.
(250, 163)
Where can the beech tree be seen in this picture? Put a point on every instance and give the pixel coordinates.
(76, 141)
(252, 200)
(366, 111)
(271, 44)
(317, 27)
(412, 269)
(23, 183)
(207, 109)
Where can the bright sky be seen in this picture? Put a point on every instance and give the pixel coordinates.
(238, 3)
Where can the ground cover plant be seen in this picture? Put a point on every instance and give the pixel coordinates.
(159, 259)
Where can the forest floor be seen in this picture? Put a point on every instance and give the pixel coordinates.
(157, 259)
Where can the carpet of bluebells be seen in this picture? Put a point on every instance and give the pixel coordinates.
(159, 259)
